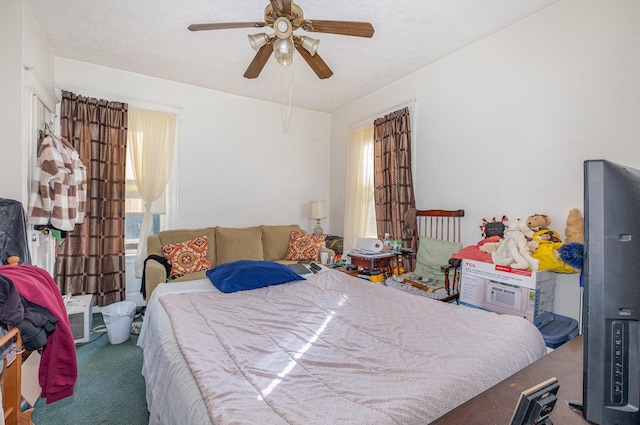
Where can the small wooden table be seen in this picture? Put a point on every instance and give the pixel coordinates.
(381, 260)
(496, 405)
(353, 273)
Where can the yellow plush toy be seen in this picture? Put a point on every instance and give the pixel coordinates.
(574, 232)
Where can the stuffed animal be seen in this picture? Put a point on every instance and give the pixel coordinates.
(490, 244)
(572, 253)
(494, 227)
(514, 250)
(540, 222)
(574, 232)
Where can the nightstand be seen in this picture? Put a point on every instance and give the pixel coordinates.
(381, 260)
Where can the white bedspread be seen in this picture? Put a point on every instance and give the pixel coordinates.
(330, 350)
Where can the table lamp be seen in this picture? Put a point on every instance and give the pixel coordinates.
(317, 212)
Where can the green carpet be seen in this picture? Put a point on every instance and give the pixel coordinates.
(110, 389)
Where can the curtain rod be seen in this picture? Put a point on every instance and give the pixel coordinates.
(133, 102)
(411, 104)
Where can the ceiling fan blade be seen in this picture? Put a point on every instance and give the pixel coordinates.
(258, 62)
(225, 25)
(316, 63)
(281, 7)
(357, 29)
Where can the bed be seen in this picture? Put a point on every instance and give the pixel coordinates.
(326, 350)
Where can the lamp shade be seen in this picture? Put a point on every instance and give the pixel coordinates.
(283, 51)
(317, 210)
(309, 44)
(258, 40)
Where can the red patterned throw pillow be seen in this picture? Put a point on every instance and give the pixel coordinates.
(187, 257)
(304, 246)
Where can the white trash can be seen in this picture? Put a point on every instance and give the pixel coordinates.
(118, 318)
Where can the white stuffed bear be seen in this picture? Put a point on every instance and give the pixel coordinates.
(514, 251)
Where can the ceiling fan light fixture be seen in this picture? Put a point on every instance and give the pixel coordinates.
(285, 17)
(283, 51)
(310, 44)
(258, 40)
(283, 28)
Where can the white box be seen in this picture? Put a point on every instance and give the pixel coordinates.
(508, 291)
(30, 387)
(79, 310)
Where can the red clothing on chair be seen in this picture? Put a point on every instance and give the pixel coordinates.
(58, 364)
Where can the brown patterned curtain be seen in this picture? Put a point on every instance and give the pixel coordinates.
(392, 177)
(91, 259)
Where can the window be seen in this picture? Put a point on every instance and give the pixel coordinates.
(372, 226)
(134, 211)
(360, 215)
(150, 146)
(132, 226)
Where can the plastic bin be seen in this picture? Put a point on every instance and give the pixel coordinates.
(118, 318)
(559, 330)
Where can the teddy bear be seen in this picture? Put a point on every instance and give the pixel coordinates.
(574, 232)
(540, 222)
(514, 250)
(572, 251)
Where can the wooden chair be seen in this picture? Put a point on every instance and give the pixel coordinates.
(444, 225)
(12, 382)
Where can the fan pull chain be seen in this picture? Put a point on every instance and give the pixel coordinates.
(285, 116)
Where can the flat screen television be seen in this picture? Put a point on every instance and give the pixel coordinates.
(611, 312)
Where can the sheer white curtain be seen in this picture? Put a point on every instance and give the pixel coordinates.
(151, 138)
(359, 190)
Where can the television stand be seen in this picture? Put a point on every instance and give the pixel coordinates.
(496, 405)
(576, 406)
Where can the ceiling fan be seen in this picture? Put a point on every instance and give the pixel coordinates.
(285, 17)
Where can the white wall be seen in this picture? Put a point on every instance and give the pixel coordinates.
(520, 111)
(11, 184)
(38, 61)
(235, 165)
(26, 69)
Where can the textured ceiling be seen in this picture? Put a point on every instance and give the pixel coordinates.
(150, 37)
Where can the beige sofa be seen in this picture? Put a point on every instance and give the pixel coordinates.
(225, 244)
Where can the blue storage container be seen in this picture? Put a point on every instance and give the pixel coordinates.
(559, 330)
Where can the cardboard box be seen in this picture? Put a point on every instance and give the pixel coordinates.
(508, 291)
(30, 383)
